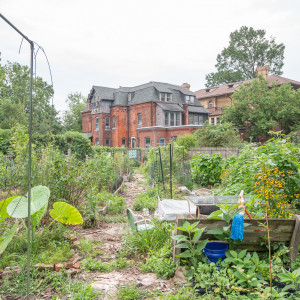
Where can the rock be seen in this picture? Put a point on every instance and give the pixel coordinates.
(69, 265)
(76, 265)
(58, 267)
(42, 267)
(73, 271)
(179, 276)
(9, 271)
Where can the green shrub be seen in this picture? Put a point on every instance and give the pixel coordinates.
(117, 204)
(79, 144)
(93, 265)
(146, 200)
(187, 141)
(206, 170)
(160, 263)
(149, 241)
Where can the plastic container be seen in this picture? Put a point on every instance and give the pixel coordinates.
(214, 251)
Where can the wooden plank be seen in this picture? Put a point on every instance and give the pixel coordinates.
(295, 240)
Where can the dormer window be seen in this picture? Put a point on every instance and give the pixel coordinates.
(165, 97)
(189, 99)
(129, 97)
(207, 90)
(210, 104)
(230, 86)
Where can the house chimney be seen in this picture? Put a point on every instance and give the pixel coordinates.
(186, 86)
(262, 70)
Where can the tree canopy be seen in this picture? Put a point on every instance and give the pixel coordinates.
(259, 108)
(15, 97)
(72, 116)
(248, 48)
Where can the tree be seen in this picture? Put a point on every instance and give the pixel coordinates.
(15, 98)
(72, 117)
(248, 48)
(259, 108)
(187, 141)
(220, 135)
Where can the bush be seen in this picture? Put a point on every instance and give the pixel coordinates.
(220, 135)
(206, 170)
(5, 141)
(79, 144)
(187, 141)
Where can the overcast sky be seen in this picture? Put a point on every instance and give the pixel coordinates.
(130, 42)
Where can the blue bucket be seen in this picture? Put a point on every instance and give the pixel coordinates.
(214, 251)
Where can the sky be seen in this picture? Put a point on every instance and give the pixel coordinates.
(130, 42)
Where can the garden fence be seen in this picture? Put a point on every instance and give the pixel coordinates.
(225, 152)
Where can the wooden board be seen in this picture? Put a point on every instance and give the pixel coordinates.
(255, 234)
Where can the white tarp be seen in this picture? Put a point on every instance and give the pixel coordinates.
(168, 209)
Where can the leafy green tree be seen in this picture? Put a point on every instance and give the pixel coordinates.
(258, 108)
(248, 48)
(220, 135)
(72, 117)
(15, 98)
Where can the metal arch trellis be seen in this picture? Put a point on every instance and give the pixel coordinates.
(29, 151)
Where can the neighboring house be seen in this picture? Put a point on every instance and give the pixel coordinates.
(150, 114)
(218, 97)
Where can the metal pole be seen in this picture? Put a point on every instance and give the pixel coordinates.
(171, 171)
(29, 152)
(161, 169)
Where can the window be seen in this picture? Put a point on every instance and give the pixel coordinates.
(189, 99)
(113, 122)
(139, 120)
(210, 104)
(212, 121)
(166, 119)
(123, 142)
(218, 120)
(97, 142)
(195, 119)
(107, 125)
(129, 97)
(172, 119)
(138, 142)
(147, 142)
(133, 142)
(162, 141)
(97, 124)
(107, 142)
(165, 97)
(177, 119)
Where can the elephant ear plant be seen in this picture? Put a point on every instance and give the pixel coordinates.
(189, 240)
(17, 207)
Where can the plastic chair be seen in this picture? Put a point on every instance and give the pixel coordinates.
(141, 225)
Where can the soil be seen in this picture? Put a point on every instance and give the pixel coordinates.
(110, 236)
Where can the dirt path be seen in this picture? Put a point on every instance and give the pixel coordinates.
(110, 235)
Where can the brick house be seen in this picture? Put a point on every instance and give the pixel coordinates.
(216, 98)
(150, 114)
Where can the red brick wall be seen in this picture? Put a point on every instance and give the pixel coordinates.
(148, 118)
(86, 122)
(120, 112)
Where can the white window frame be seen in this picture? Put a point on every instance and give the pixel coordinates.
(97, 142)
(139, 120)
(97, 124)
(210, 104)
(162, 143)
(113, 122)
(129, 97)
(107, 126)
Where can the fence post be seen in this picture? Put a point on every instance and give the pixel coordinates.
(161, 169)
(171, 171)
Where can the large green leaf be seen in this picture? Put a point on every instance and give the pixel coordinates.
(38, 216)
(3, 207)
(7, 237)
(18, 207)
(65, 213)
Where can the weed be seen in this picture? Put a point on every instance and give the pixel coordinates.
(93, 265)
(130, 292)
(146, 200)
(115, 219)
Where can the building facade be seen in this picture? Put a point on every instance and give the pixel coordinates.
(216, 98)
(150, 114)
